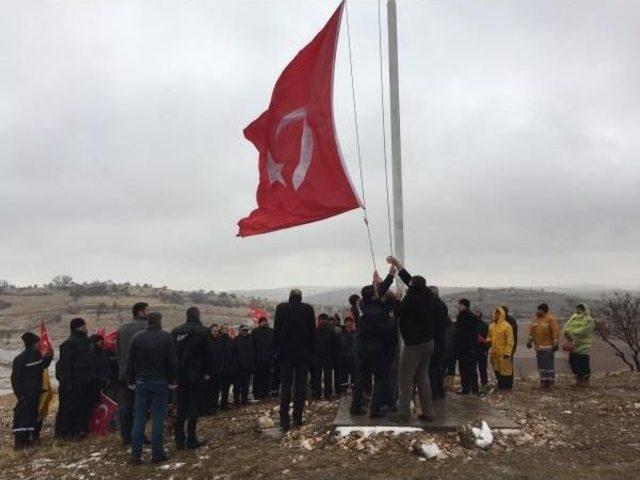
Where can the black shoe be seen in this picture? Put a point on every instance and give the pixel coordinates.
(377, 415)
(147, 441)
(462, 392)
(161, 459)
(297, 423)
(425, 418)
(357, 411)
(135, 460)
(284, 428)
(193, 444)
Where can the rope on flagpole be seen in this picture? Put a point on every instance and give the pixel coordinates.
(384, 131)
(355, 117)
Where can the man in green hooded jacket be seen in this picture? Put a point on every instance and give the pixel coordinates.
(578, 331)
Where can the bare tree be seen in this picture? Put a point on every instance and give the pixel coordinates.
(4, 285)
(621, 314)
(62, 282)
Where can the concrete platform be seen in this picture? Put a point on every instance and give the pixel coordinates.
(451, 413)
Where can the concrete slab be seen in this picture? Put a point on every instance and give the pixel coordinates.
(451, 413)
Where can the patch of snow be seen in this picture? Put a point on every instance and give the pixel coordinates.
(484, 437)
(567, 412)
(366, 431)
(510, 431)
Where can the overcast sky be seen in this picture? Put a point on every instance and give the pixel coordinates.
(122, 155)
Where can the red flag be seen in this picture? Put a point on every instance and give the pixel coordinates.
(101, 416)
(258, 313)
(303, 178)
(108, 339)
(45, 340)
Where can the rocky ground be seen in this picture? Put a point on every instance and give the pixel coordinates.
(564, 434)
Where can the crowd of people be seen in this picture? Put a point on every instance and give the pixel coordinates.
(393, 348)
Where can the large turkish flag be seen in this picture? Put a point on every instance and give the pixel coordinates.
(303, 177)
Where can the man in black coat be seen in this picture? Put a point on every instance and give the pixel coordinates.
(375, 347)
(346, 365)
(417, 319)
(193, 347)
(294, 342)
(223, 354)
(26, 381)
(263, 352)
(437, 366)
(482, 353)
(325, 352)
(243, 364)
(77, 377)
(466, 347)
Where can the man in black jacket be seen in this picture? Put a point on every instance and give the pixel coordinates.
(437, 365)
(129, 328)
(466, 346)
(323, 365)
(243, 364)
(263, 352)
(222, 345)
(346, 359)
(76, 374)
(375, 347)
(26, 381)
(194, 368)
(417, 319)
(151, 371)
(294, 341)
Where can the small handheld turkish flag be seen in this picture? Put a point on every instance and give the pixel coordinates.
(257, 313)
(101, 417)
(303, 178)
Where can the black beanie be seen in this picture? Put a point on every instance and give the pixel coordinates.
(76, 323)
(465, 302)
(30, 339)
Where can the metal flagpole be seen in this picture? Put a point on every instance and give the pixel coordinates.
(396, 157)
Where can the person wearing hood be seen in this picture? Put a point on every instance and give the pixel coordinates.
(375, 347)
(466, 346)
(294, 336)
(578, 332)
(26, 381)
(500, 339)
(137, 323)
(195, 367)
(244, 364)
(417, 319)
(544, 335)
(77, 376)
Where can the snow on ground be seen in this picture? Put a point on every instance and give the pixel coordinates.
(366, 431)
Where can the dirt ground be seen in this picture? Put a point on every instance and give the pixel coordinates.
(565, 434)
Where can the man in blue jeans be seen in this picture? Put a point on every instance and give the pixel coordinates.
(151, 371)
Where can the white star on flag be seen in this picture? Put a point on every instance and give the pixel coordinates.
(274, 170)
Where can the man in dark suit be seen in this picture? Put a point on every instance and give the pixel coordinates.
(294, 343)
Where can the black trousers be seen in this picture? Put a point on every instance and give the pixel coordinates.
(346, 374)
(125, 411)
(371, 365)
(188, 395)
(241, 387)
(436, 377)
(579, 363)
(322, 378)
(275, 378)
(262, 380)
(482, 361)
(468, 373)
(292, 374)
(74, 411)
(25, 419)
